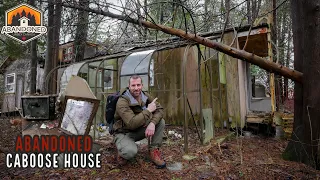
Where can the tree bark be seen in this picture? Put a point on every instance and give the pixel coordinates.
(227, 6)
(82, 31)
(288, 56)
(145, 34)
(33, 73)
(306, 34)
(311, 66)
(57, 25)
(33, 64)
(274, 52)
(249, 14)
(50, 42)
(236, 53)
(206, 11)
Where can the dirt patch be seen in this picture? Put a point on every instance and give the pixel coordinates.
(258, 158)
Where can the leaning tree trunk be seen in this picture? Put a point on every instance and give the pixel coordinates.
(236, 53)
(306, 33)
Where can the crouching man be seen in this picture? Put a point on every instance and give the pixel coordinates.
(138, 116)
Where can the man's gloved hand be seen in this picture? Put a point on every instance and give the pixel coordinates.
(150, 130)
(152, 106)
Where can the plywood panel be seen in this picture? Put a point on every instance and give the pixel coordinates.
(8, 103)
(242, 90)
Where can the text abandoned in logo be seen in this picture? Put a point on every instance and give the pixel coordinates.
(19, 29)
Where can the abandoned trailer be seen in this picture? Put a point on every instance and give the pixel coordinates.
(192, 82)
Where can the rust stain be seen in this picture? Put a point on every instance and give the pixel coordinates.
(263, 30)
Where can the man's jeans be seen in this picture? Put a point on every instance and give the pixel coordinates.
(126, 145)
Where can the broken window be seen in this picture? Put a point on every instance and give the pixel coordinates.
(108, 77)
(138, 63)
(68, 54)
(260, 82)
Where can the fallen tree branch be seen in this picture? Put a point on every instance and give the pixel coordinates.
(236, 53)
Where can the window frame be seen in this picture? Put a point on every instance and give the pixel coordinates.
(68, 54)
(13, 83)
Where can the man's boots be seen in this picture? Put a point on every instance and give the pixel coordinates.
(155, 156)
(121, 161)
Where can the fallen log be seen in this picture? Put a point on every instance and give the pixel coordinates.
(236, 53)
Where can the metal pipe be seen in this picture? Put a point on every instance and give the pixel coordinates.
(200, 94)
(194, 121)
(95, 93)
(49, 74)
(211, 92)
(87, 61)
(185, 126)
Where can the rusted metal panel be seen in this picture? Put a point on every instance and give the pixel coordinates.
(167, 75)
(233, 95)
(257, 44)
(211, 84)
(258, 31)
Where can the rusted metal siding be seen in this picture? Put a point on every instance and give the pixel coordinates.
(225, 97)
(210, 67)
(168, 83)
(233, 92)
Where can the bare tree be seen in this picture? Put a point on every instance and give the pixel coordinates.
(54, 22)
(33, 76)
(50, 42)
(82, 31)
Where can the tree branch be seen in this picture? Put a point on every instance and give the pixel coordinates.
(236, 53)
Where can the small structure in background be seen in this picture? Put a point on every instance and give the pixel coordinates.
(17, 74)
(67, 52)
(17, 77)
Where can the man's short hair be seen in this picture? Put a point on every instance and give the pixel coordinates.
(135, 76)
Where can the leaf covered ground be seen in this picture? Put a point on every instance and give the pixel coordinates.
(237, 157)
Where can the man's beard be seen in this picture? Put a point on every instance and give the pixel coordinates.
(136, 93)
